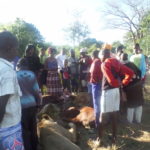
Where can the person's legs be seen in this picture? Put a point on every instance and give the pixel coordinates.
(138, 114)
(33, 128)
(101, 125)
(96, 91)
(29, 128)
(130, 113)
(25, 121)
(74, 84)
(68, 85)
(114, 126)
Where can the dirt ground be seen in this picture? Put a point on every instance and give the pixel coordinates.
(130, 137)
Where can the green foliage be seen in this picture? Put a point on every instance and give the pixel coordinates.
(144, 41)
(76, 32)
(91, 44)
(26, 33)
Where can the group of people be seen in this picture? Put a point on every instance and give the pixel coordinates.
(104, 75)
(65, 73)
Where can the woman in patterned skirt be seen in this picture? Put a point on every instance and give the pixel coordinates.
(54, 87)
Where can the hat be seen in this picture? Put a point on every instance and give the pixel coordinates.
(106, 46)
(83, 50)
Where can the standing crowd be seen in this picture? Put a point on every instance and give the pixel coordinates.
(111, 79)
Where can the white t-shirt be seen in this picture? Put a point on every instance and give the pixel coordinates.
(60, 60)
(9, 85)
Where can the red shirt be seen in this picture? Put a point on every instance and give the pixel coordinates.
(112, 69)
(95, 71)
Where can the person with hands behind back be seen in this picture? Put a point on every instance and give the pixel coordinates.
(111, 82)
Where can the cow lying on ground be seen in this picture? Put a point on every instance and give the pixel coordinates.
(53, 136)
(80, 100)
(84, 115)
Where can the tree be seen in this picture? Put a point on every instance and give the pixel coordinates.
(145, 26)
(77, 31)
(127, 15)
(25, 32)
(91, 43)
(145, 40)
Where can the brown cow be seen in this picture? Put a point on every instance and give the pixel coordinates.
(84, 115)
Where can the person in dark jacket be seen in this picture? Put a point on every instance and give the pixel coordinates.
(74, 72)
(134, 92)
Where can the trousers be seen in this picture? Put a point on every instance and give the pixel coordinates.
(96, 93)
(134, 112)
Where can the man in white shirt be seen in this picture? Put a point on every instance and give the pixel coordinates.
(10, 107)
(61, 58)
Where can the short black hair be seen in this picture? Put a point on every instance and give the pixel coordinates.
(95, 53)
(120, 48)
(124, 56)
(137, 45)
(29, 47)
(105, 53)
(52, 50)
(7, 41)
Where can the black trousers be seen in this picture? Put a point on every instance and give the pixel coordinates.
(29, 128)
(74, 85)
(66, 84)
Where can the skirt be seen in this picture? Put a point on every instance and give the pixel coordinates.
(110, 100)
(54, 86)
(11, 138)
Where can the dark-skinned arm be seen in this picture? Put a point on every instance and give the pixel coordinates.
(3, 103)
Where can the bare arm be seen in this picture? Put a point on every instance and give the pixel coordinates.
(3, 103)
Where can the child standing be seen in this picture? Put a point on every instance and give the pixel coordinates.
(66, 76)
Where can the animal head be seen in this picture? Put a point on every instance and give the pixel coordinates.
(50, 110)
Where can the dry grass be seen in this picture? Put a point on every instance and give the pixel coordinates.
(130, 137)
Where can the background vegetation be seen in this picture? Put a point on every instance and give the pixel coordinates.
(136, 22)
